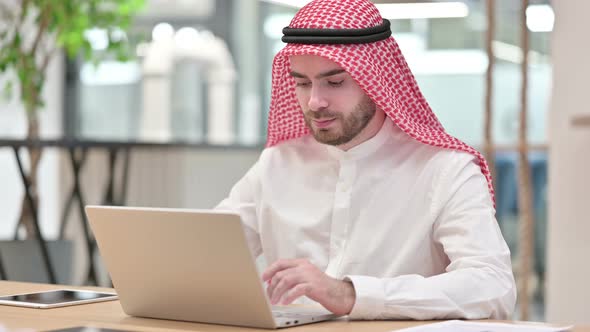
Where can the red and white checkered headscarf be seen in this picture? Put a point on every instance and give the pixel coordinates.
(379, 68)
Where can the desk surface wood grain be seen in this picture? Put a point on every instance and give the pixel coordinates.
(110, 315)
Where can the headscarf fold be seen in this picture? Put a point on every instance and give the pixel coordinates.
(379, 68)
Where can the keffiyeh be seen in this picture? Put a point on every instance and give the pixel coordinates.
(377, 66)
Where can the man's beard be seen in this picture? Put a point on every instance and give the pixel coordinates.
(350, 125)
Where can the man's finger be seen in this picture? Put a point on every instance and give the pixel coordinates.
(287, 281)
(276, 279)
(272, 283)
(277, 266)
(295, 293)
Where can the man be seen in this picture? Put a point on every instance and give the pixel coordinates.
(361, 201)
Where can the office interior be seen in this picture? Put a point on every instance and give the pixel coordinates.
(196, 94)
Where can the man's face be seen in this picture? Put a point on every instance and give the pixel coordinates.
(335, 108)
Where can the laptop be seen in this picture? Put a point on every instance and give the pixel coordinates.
(188, 265)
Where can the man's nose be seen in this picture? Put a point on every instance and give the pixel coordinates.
(317, 100)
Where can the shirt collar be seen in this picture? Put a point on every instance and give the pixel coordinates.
(367, 147)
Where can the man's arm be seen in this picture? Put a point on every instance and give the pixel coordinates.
(478, 282)
(242, 200)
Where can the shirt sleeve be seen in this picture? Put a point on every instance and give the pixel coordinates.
(242, 200)
(478, 282)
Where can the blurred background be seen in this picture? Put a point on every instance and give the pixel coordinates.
(196, 93)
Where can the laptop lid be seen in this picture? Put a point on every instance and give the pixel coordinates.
(191, 265)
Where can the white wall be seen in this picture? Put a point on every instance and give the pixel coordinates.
(568, 274)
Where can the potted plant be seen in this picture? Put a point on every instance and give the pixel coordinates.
(32, 33)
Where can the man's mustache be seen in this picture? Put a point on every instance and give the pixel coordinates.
(322, 114)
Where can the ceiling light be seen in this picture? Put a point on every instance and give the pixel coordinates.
(394, 11)
(289, 3)
(162, 31)
(540, 18)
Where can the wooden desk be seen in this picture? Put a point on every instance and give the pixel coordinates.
(110, 315)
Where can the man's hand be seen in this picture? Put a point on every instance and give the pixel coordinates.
(289, 279)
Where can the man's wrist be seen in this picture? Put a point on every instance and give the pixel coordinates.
(349, 295)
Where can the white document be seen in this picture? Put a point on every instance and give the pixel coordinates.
(470, 326)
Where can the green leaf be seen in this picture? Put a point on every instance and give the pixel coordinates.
(16, 42)
(68, 19)
(7, 91)
(87, 50)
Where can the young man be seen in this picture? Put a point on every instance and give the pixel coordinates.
(361, 201)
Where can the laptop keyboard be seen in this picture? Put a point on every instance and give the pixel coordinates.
(298, 312)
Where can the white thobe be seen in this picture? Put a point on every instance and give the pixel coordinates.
(411, 225)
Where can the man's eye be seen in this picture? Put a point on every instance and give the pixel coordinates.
(303, 84)
(335, 83)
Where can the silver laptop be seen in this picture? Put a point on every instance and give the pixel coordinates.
(189, 265)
